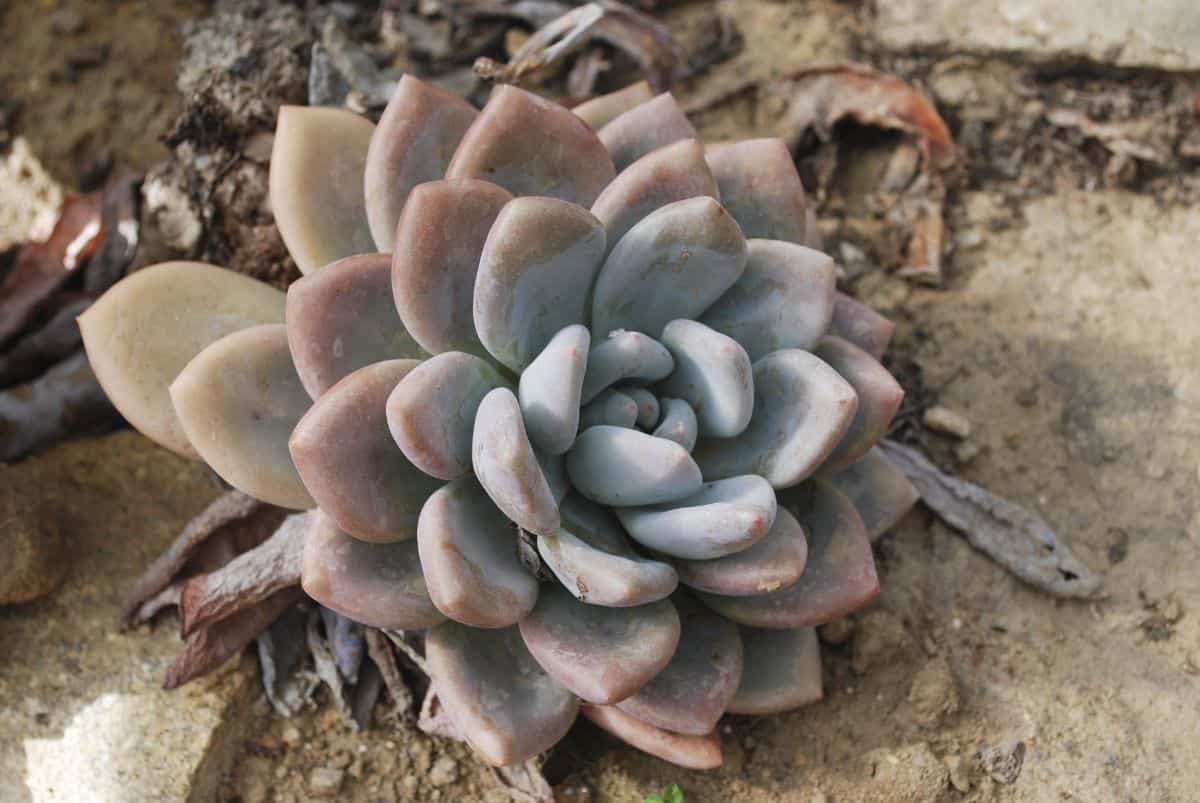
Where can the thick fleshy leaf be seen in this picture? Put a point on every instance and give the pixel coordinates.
(597, 112)
(351, 467)
(695, 688)
(413, 144)
(689, 752)
(713, 374)
(861, 325)
(775, 562)
(648, 408)
(624, 355)
(469, 554)
(673, 264)
(535, 276)
(672, 173)
(838, 579)
(761, 188)
(611, 408)
(601, 654)
(498, 697)
(148, 326)
(438, 242)
(341, 318)
(678, 423)
(723, 517)
(431, 413)
(507, 467)
(618, 466)
(784, 300)
(379, 585)
(783, 671)
(879, 491)
(592, 558)
(550, 389)
(802, 408)
(879, 397)
(533, 146)
(316, 184)
(238, 401)
(645, 128)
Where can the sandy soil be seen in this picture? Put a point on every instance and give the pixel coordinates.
(1066, 334)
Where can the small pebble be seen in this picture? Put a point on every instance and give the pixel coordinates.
(947, 422)
(444, 771)
(934, 693)
(966, 451)
(290, 735)
(326, 780)
(959, 777)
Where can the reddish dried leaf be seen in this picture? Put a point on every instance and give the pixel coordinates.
(120, 234)
(820, 97)
(246, 580)
(207, 649)
(42, 267)
(233, 523)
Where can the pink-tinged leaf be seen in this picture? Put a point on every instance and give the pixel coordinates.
(438, 244)
(695, 688)
(645, 128)
(413, 144)
(690, 752)
(599, 111)
(775, 562)
(864, 327)
(353, 469)
(783, 671)
(838, 579)
(498, 697)
(341, 318)
(533, 146)
(380, 585)
(761, 188)
(878, 490)
(879, 397)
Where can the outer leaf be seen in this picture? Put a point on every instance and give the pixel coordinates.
(691, 752)
(413, 144)
(775, 562)
(838, 579)
(879, 397)
(861, 325)
(352, 468)
(238, 401)
(601, 654)
(598, 111)
(341, 318)
(316, 184)
(439, 240)
(644, 128)
(379, 585)
(783, 671)
(533, 146)
(761, 188)
(878, 490)
(147, 327)
(499, 698)
(469, 555)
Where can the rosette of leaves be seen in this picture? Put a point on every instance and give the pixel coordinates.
(567, 392)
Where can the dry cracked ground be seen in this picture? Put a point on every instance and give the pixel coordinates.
(1065, 332)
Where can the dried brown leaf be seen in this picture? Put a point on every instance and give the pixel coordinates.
(34, 353)
(817, 98)
(549, 44)
(207, 649)
(525, 782)
(120, 232)
(41, 268)
(380, 650)
(1017, 539)
(246, 580)
(232, 524)
(64, 402)
(345, 638)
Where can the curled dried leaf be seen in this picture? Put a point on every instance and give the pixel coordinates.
(1017, 539)
(231, 524)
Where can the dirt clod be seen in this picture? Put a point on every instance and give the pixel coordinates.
(34, 559)
(934, 694)
(879, 638)
(1003, 761)
(911, 774)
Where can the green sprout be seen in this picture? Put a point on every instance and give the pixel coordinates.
(671, 794)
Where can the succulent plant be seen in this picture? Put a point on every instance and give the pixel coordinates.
(569, 393)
